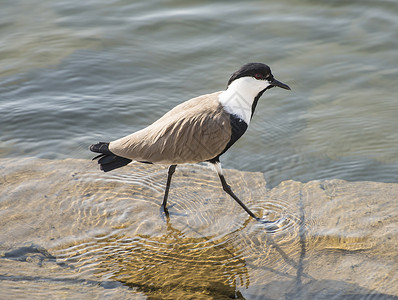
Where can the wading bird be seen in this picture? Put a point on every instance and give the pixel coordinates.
(198, 130)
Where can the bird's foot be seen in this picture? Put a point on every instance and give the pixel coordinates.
(270, 226)
(164, 212)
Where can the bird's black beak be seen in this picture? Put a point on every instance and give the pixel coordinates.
(277, 83)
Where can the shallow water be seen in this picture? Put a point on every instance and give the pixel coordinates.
(69, 231)
(73, 73)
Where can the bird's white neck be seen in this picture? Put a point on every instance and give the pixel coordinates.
(239, 96)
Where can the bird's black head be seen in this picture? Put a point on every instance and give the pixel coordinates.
(259, 71)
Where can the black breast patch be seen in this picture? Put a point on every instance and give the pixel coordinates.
(238, 127)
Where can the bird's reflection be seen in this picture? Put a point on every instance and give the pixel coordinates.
(173, 266)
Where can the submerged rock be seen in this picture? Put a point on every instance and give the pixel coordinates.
(334, 237)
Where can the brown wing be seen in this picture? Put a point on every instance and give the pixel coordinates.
(194, 131)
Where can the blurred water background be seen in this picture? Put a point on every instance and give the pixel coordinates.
(77, 72)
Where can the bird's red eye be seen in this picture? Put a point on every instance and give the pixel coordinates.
(258, 76)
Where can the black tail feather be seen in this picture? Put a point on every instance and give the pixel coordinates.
(101, 147)
(111, 162)
(107, 160)
(98, 156)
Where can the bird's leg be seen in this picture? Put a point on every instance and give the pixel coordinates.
(228, 189)
(172, 168)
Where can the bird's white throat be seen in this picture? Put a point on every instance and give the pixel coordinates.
(239, 96)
